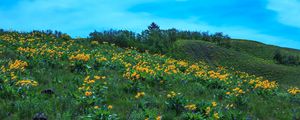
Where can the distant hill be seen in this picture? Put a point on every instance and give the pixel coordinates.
(244, 55)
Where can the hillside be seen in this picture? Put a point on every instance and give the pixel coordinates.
(258, 49)
(45, 76)
(248, 56)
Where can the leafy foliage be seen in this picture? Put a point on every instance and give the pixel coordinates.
(155, 39)
(286, 59)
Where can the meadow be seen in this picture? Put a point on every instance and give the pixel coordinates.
(45, 76)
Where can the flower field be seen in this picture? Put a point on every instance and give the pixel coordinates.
(62, 78)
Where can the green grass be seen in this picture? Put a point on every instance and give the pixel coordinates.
(248, 56)
(66, 76)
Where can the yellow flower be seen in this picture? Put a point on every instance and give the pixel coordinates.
(158, 117)
(214, 104)
(95, 42)
(91, 81)
(294, 91)
(182, 63)
(169, 96)
(80, 57)
(207, 110)
(266, 84)
(96, 107)
(139, 94)
(110, 107)
(27, 83)
(86, 78)
(87, 93)
(101, 59)
(191, 107)
(216, 115)
(18, 64)
(97, 77)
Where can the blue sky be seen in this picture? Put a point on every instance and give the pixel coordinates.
(275, 22)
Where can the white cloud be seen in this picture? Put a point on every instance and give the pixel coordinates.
(288, 11)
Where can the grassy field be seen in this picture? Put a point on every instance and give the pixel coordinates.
(248, 56)
(47, 77)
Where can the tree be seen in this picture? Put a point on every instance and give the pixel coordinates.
(278, 57)
(153, 37)
(1, 31)
(153, 26)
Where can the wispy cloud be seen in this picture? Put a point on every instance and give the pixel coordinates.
(288, 11)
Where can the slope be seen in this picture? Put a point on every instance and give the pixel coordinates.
(45, 76)
(247, 56)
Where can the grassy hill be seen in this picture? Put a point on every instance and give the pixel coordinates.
(44, 76)
(248, 56)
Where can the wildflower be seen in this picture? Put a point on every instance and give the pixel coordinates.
(266, 84)
(86, 78)
(3, 69)
(80, 57)
(216, 115)
(110, 107)
(139, 94)
(81, 88)
(102, 59)
(18, 64)
(96, 107)
(158, 117)
(182, 63)
(191, 107)
(27, 83)
(238, 91)
(294, 91)
(207, 110)
(95, 42)
(97, 77)
(214, 104)
(13, 76)
(88, 93)
(171, 94)
(91, 81)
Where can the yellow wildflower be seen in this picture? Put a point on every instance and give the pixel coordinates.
(294, 91)
(80, 57)
(96, 107)
(216, 115)
(18, 64)
(158, 117)
(27, 83)
(214, 104)
(139, 94)
(191, 107)
(110, 107)
(88, 93)
(207, 110)
(97, 77)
